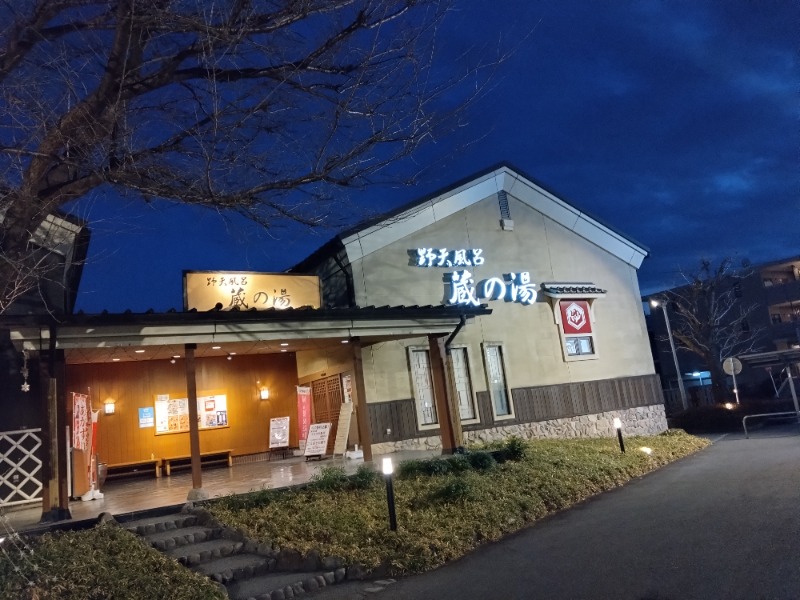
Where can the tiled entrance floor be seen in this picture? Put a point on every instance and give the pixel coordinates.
(134, 494)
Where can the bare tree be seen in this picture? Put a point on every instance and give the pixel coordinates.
(711, 320)
(254, 106)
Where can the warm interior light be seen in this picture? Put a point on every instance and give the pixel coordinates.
(109, 406)
(284, 343)
(617, 423)
(216, 347)
(388, 469)
(345, 341)
(263, 393)
(729, 405)
(139, 351)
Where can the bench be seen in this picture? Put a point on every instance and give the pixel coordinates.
(206, 458)
(135, 467)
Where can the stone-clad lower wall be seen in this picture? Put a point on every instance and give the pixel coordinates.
(641, 420)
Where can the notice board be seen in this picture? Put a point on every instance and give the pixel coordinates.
(317, 442)
(278, 432)
(172, 414)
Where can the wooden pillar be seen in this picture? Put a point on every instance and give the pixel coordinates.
(59, 378)
(362, 411)
(449, 419)
(197, 492)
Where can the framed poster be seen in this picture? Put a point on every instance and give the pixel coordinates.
(317, 442)
(172, 414)
(279, 432)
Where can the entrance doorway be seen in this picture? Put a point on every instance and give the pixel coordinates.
(328, 397)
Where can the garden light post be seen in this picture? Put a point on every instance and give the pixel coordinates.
(618, 427)
(655, 304)
(388, 469)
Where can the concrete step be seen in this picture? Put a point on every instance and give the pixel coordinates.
(235, 567)
(158, 524)
(282, 585)
(167, 540)
(202, 552)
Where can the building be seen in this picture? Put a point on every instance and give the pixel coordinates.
(490, 309)
(772, 289)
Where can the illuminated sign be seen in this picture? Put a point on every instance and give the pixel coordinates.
(511, 287)
(575, 317)
(204, 290)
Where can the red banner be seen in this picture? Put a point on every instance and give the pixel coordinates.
(81, 421)
(303, 411)
(575, 316)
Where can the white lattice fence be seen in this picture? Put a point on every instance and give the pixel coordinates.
(20, 468)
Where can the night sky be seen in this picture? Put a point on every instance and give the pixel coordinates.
(677, 123)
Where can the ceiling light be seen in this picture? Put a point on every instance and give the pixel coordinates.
(232, 353)
(115, 359)
(216, 347)
(139, 351)
(284, 343)
(283, 349)
(345, 341)
(176, 356)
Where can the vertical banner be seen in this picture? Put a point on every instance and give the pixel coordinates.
(303, 414)
(80, 421)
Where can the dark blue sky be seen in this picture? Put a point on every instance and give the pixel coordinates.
(675, 122)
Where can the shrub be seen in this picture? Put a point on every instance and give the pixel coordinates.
(330, 479)
(456, 490)
(458, 463)
(481, 461)
(516, 448)
(410, 469)
(365, 478)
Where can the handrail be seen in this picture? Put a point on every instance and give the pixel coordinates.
(771, 414)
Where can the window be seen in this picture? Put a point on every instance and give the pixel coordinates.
(579, 345)
(496, 375)
(463, 384)
(423, 387)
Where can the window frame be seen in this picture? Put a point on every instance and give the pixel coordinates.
(504, 366)
(418, 408)
(471, 376)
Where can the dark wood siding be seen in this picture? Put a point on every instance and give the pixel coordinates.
(530, 404)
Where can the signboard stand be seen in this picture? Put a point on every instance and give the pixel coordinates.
(317, 442)
(343, 429)
(278, 436)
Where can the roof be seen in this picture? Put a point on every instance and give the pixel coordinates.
(571, 290)
(374, 234)
(109, 331)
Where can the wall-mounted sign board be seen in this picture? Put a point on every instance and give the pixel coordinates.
(204, 290)
(172, 414)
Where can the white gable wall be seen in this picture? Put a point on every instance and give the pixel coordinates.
(547, 246)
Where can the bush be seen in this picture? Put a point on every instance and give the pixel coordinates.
(330, 479)
(481, 461)
(455, 491)
(458, 464)
(516, 448)
(365, 478)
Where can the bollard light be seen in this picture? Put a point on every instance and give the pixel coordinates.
(388, 469)
(618, 427)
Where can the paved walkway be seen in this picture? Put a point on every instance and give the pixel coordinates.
(724, 523)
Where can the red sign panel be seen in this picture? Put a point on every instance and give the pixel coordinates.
(575, 317)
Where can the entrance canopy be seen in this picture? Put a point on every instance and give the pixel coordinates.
(151, 336)
(772, 359)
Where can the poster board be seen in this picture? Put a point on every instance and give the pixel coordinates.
(343, 429)
(317, 442)
(172, 414)
(279, 432)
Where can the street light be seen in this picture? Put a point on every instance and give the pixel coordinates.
(655, 304)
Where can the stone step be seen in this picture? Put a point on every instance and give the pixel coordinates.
(202, 552)
(235, 567)
(167, 540)
(158, 524)
(274, 586)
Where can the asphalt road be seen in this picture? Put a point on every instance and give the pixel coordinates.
(724, 523)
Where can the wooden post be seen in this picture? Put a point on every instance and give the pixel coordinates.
(197, 492)
(362, 411)
(449, 424)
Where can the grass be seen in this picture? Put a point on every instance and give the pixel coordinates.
(101, 563)
(442, 516)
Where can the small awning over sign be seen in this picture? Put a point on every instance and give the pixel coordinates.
(579, 290)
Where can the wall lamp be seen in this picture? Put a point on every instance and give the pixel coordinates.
(263, 393)
(109, 406)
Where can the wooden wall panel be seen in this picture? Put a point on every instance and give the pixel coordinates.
(135, 385)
